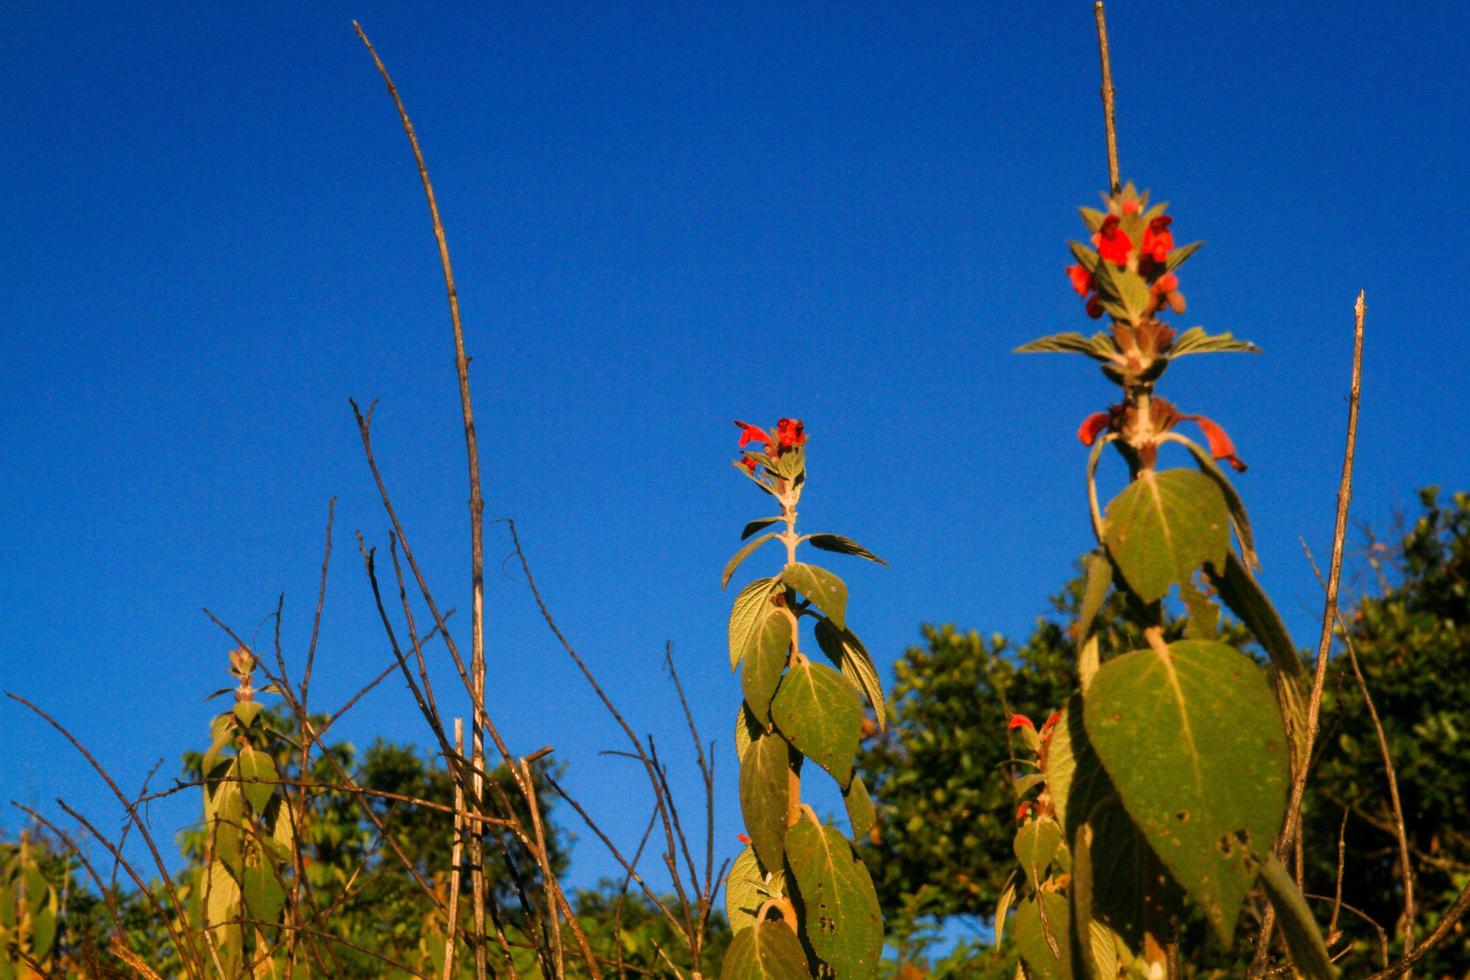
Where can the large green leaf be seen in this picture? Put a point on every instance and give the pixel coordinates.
(825, 590)
(821, 713)
(765, 795)
(1303, 939)
(264, 895)
(842, 546)
(765, 662)
(1163, 527)
(839, 908)
(1193, 742)
(744, 553)
(748, 614)
(1238, 516)
(845, 650)
(765, 951)
(1045, 943)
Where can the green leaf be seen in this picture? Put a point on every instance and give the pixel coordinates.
(247, 711)
(1002, 908)
(845, 650)
(226, 815)
(765, 951)
(223, 894)
(825, 590)
(1238, 515)
(1045, 943)
(1062, 343)
(255, 765)
(1196, 341)
(43, 932)
(1180, 255)
(1193, 742)
(1099, 578)
(747, 887)
(1204, 615)
(1303, 939)
(1085, 256)
(1088, 660)
(1163, 527)
(860, 813)
(839, 908)
(1129, 289)
(1036, 844)
(821, 713)
(757, 525)
(747, 729)
(743, 554)
(765, 795)
(264, 896)
(843, 546)
(748, 614)
(1092, 218)
(765, 662)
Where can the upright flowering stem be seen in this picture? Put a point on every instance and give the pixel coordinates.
(782, 893)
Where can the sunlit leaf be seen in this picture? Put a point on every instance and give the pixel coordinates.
(840, 917)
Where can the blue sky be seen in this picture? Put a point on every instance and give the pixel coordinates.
(662, 217)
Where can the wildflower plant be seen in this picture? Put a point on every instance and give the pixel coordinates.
(1166, 777)
(799, 899)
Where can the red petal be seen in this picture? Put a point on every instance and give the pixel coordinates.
(1088, 431)
(1081, 279)
(1020, 721)
(1023, 810)
(1220, 445)
(742, 838)
(751, 433)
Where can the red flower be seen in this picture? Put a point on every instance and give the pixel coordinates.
(747, 462)
(751, 433)
(1165, 284)
(1020, 721)
(790, 432)
(1081, 279)
(1091, 427)
(1220, 445)
(742, 838)
(1112, 243)
(1158, 240)
(1094, 307)
(1131, 205)
(1023, 810)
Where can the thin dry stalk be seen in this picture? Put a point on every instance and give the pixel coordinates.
(1110, 119)
(454, 859)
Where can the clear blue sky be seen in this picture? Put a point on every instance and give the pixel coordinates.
(663, 217)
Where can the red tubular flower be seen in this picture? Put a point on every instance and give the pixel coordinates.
(1131, 206)
(1158, 240)
(1020, 721)
(1112, 243)
(1165, 284)
(1023, 810)
(790, 432)
(742, 838)
(748, 463)
(1081, 279)
(1220, 445)
(1091, 427)
(751, 433)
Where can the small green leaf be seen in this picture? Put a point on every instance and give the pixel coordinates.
(1061, 343)
(1303, 939)
(1194, 744)
(1092, 218)
(826, 591)
(860, 813)
(43, 932)
(757, 525)
(255, 765)
(1180, 255)
(1164, 526)
(765, 662)
(821, 713)
(743, 554)
(1036, 844)
(839, 907)
(1129, 288)
(845, 650)
(1098, 571)
(747, 615)
(765, 795)
(843, 546)
(765, 951)
(1084, 255)
(747, 729)
(747, 887)
(264, 896)
(247, 711)
(1002, 908)
(1196, 341)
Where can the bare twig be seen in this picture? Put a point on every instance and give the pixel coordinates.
(1110, 120)
(454, 858)
(1443, 931)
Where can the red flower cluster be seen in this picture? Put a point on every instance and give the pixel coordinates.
(1083, 282)
(1158, 240)
(790, 432)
